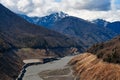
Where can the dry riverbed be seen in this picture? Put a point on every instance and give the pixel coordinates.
(56, 70)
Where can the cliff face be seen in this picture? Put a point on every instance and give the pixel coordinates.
(88, 67)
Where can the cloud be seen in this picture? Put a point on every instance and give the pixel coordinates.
(11, 4)
(37, 7)
(91, 15)
(116, 4)
(87, 9)
(94, 5)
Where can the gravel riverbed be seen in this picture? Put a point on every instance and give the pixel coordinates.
(33, 72)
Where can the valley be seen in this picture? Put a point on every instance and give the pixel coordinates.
(57, 46)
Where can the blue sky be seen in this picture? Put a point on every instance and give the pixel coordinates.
(117, 3)
(58, 0)
(86, 9)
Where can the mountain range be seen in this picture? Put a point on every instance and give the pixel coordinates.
(78, 29)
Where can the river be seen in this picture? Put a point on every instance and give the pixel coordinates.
(32, 72)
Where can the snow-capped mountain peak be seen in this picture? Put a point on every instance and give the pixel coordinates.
(61, 14)
(48, 20)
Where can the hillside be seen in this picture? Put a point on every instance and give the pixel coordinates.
(10, 63)
(88, 67)
(21, 40)
(109, 51)
(101, 63)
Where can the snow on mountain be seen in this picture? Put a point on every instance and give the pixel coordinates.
(46, 21)
(101, 22)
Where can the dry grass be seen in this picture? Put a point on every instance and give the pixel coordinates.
(88, 67)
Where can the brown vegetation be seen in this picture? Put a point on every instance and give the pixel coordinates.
(109, 51)
(88, 67)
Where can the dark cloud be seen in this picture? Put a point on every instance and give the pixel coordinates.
(96, 5)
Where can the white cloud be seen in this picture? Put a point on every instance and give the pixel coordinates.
(11, 4)
(87, 9)
(90, 15)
